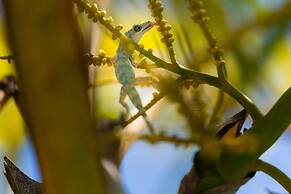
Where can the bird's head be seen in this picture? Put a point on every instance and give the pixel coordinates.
(138, 30)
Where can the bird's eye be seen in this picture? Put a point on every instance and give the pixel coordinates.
(137, 28)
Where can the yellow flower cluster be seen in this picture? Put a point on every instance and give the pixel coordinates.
(97, 15)
(199, 15)
(94, 12)
(156, 8)
(164, 28)
(117, 28)
(100, 59)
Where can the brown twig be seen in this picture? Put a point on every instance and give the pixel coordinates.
(9, 58)
(156, 99)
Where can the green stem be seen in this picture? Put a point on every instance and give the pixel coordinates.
(203, 78)
(146, 108)
(276, 121)
(236, 161)
(246, 102)
(275, 173)
(175, 140)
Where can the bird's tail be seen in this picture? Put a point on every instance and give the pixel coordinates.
(135, 99)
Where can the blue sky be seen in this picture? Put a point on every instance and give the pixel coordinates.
(158, 169)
